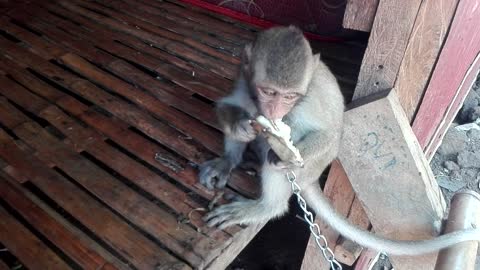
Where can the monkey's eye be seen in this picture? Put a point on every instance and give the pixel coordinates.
(267, 92)
(291, 96)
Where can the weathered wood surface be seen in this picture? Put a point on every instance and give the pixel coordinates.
(101, 142)
(426, 41)
(55, 232)
(366, 259)
(393, 24)
(33, 253)
(390, 175)
(106, 109)
(341, 194)
(347, 251)
(454, 72)
(360, 14)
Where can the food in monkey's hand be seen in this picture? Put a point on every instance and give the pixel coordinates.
(280, 140)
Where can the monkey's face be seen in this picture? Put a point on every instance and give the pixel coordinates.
(275, 103)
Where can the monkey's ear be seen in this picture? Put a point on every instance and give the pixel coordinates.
(247, 54)
(246, 57)
(316, 59)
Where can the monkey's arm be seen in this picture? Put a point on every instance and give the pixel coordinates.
(318, 144)
(234, 114)
(235, 122)
(235, 111)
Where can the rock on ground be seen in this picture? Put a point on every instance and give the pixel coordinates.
(469, 159)
(454, 142)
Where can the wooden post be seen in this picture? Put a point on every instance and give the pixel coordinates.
(386, 46)
(456, 69)
(390, 175)
(359, 14)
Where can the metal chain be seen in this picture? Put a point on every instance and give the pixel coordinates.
(314, 228)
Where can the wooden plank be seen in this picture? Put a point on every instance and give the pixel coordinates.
(102, 36)
(366, 260)
(167, 27)
(380, 150)
(207, 18)
(347, 251)
(55, 232)
(159, 223)
(32, 252)
(153, 128)
(202, 133)
(144, 149)
(76, 232)
(340, 192)
(454, 107)
(240, 37)
(81, 139)
(393, 24)
(123, 165)
(443, 92)
(145, 31)
(426, 41)
(90, 51)
(360, 14)
(169, 95)
(239, 241)
(125, 240)
(39, 46)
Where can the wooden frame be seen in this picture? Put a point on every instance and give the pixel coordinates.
(417, 78)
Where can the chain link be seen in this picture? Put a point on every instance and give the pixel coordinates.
(314, 228)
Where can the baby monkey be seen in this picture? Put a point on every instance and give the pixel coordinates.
(280, 78)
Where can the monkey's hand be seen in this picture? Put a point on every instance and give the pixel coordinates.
(215, 172)
(242, 131)
(237, 212)
(274, 159)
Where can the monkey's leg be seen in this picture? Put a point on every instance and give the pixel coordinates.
(273, 203)
(217, 171)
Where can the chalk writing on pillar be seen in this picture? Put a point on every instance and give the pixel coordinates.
(372, 145)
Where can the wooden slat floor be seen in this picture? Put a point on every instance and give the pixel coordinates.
(105, 112)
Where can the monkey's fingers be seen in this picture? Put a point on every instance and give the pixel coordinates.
(228, 215)
(207, 174)
(222, 179)
(217, 216)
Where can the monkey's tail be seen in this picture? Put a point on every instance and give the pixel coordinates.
(317, 200)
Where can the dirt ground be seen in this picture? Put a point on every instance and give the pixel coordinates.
(456, 164)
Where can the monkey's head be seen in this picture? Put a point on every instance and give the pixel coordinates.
(278, 66)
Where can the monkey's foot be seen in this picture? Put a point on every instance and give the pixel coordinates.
(237, 212)
(215, 172)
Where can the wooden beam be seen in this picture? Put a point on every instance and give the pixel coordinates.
(427, 38)
(348, 251)
(340, 191)
(27, 247)
(426, 41)
(359, 14)
(453, 108)
(429, 32)
(386, 46)
(455, 70)
(390, 175)
(366, 260)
